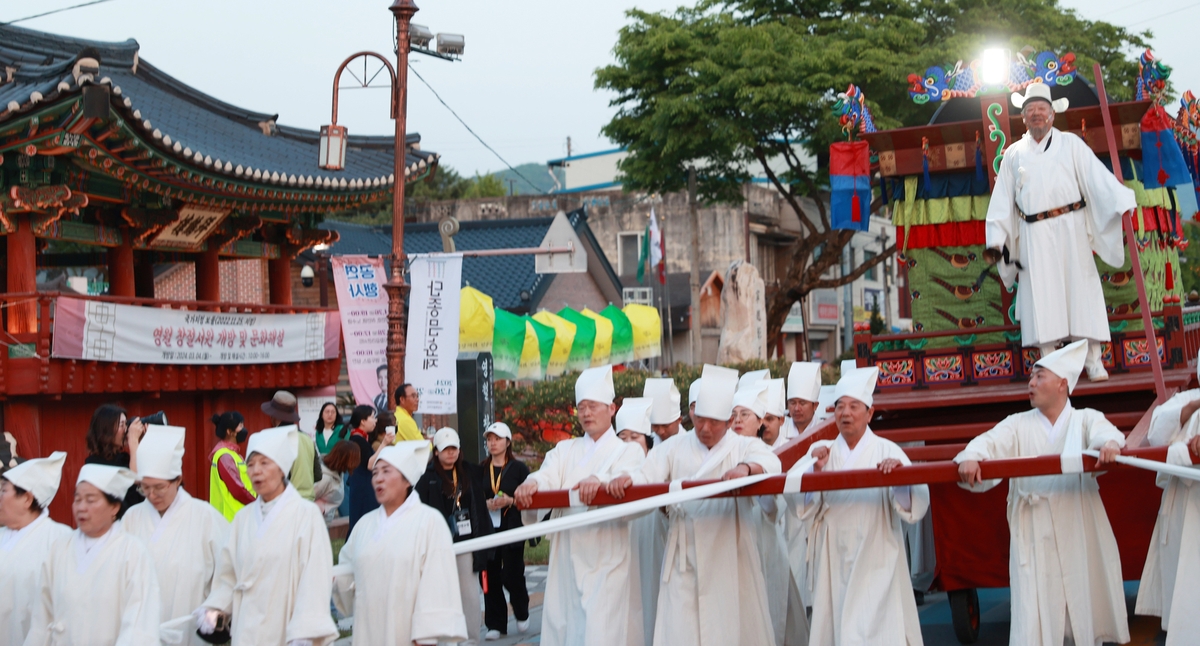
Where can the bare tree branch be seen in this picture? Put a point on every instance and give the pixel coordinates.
(787, 194)
(853, 275)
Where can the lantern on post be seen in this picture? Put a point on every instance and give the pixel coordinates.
(332, 153)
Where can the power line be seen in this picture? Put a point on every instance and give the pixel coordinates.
(473, 134)
(47, 13)
(1164, 15)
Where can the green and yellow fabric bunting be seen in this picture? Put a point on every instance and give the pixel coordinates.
(476, 321)
(647, 330)
(622, 335)
(602, 351)
(585, 339)
(564, 337)
(507, 344)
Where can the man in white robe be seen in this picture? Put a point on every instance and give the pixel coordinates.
(592, 590)
(857, 565)
(397, 574)
(184, 535)
(664, 414)
(803, 393)
(1053, 205)
(1168, 587)
(26, 535)
(1064, 567)
(712, 591)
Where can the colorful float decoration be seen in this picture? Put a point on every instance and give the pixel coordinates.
(942, 83)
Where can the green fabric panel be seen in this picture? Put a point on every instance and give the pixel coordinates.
(585, 338)
(942, 285)
(545, 335)
(508, 339)
(622, 339)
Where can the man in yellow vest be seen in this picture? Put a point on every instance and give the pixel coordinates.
(407, 401)
(229, 486)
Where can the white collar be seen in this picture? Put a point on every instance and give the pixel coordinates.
(272, 508)
(88, 548)
(12, 537)
(385, 523)
(1053, 431)
(590, 445)
(162, 520)
(852, 455)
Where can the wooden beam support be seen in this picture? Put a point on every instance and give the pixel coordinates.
(22, 275)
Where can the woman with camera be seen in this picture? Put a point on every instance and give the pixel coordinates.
(112, 441)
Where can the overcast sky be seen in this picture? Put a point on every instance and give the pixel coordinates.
(524, 84)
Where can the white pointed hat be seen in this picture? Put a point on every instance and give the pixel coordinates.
(410, 457)
(39, 476)
(857, 384)
(1066, 362)
(715, 397)
(776, 397)
(753, 376)
(804, 381)
(752, 395)
(848, 365)
(694, 390)
(160, 453)
(634, 415)
(665, 394)
(595, 384)
(1036, 91)
(281, 444)
(114, 481)
(824, 401)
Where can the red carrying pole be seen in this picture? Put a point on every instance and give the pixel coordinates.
(1160, 385)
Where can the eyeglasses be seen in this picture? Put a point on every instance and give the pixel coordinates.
(156, 490)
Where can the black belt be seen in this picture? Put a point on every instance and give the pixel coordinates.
(1052, 213)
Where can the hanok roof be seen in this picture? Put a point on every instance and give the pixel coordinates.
(172, 139)
(503, 278)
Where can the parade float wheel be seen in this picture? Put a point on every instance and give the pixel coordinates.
(964, 611)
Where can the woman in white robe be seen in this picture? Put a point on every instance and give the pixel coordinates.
(648, 532)
(400, 557)
(26, 535)
(275, 573)
(183, 534)
(98, 586)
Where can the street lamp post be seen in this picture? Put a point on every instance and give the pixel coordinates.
(396, 288)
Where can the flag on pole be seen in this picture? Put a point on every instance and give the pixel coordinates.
(653, 251)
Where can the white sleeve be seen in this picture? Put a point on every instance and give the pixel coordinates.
(550, 476)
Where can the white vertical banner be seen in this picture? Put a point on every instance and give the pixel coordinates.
(432, 340)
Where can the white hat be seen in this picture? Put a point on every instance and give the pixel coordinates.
(160, 453)
(804, 381)
(694, 390)
(665, 394)
(776, 400)
(753, 376)
(114, 481)
(39, 476)
(1039, 91)
(753, 396)
(281, 444)
(824, 401)
(714, 400)
(595, 384)
(499, 429)
(411, 457)
(634, 415)
(1066, 362)
(444, 438)
(857, 384)
(849, 365)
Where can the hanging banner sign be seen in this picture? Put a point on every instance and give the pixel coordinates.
(101, 331)
(433, 307)
(363, 303)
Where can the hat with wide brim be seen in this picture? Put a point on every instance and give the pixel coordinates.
(283, 407)
(1039, 92)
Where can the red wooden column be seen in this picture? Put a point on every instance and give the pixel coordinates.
(279, 275)
(120, 266)
(22, 275)
(208, 273)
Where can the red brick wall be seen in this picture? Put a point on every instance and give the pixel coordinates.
(242, 281)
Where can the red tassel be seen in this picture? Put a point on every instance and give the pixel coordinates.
(855, 209)
(1170, 282)
(1163, 176)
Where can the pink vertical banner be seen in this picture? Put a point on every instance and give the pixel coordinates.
(363, 304)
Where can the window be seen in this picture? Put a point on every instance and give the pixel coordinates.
(872, 273)
(629, 250)
(762, 256)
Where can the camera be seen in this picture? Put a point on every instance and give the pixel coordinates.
(157, 419)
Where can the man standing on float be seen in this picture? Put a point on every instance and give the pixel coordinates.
(1053, 205)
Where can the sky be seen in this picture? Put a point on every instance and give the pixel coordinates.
(524, 84)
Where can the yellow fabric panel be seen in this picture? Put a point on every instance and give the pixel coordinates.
(647, 330)
(476, 321)
(564, 338)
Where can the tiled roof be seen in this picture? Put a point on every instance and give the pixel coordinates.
(37, 68)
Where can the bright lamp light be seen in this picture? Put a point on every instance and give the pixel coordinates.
(994, 66)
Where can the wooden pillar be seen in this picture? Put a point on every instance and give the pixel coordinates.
(208, 274)
(143, 274)
(22, 275)
(279, 272)
(120, 266)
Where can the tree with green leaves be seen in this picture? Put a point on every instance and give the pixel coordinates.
(442, 183)
(725, 86)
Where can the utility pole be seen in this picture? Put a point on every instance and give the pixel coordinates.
(568, 146)
(511, 181)
(697, 341)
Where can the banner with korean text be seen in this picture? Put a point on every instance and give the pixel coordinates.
(433, 306)
(363, 304)
(103, 331)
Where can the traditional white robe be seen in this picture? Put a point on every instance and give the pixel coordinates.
(22, 554)
(788, 620)
(275, 576)
(649, 542)
(397, 577)
(1060, 294)
(1168, 588)
(185, 542)
(795, 528)
(1082, 580)
(593, 592)
(712, 591)
(96, 592)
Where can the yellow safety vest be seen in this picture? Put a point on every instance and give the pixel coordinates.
(218, 493)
